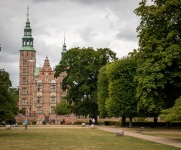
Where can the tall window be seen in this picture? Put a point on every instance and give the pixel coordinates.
(24, 91)
(24, 80)
(39, 109)
(39, 99)
(39, 85)
(24, 71)
(24, 62)
(52, 109)
(52, 99)
(53, 85)
(24, 102)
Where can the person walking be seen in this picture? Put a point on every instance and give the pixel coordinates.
(26, 123)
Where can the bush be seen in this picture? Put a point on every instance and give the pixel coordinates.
(20, 123)
(44, 122)
(34, 123)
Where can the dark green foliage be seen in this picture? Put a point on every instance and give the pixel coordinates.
(81, 66)
(172, 114)
(8, 97)
(63, 108)
(102, 94)
(159, 55)
(122, 89)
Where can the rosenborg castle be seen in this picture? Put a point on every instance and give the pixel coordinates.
(39, 91)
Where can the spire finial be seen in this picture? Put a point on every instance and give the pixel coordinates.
(27, 12)
(64, 36)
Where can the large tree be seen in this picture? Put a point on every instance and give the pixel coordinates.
(102, 91)
(81, 66)
(122, 88)
(8, 97)
(159, 53)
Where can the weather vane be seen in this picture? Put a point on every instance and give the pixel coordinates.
(27, 12)
(64, 36)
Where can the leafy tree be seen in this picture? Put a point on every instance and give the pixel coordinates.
(81, 66)
(8, 97)
(159, 55)
(172, 114)
(122, 89)
(102, 91)
(63, 108)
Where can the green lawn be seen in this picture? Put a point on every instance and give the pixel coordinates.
(71, 138)
(166, 135)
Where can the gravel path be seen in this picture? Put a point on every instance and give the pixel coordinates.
(162, 140)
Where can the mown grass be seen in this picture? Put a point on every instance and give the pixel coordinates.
(166, 135)
(71, 138)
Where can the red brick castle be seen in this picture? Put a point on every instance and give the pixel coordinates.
(39, 91)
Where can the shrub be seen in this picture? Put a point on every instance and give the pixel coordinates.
(20, 123)
(34, 123)
(44, 122)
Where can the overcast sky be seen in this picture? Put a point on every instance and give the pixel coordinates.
(86, 23)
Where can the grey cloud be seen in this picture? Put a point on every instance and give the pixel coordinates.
(92, 2)
(87, 34)
(127, 34)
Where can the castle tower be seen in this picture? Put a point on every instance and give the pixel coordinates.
(27, 63)
(64, 50)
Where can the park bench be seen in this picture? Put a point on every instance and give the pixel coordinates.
(140, 129)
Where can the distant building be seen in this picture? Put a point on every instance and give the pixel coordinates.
(39, 91)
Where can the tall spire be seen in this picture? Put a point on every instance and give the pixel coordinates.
(27, 40)
(27, 13)
(64, 50)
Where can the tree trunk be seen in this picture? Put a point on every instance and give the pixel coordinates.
(130, 122)
(123, 121)
(155, 121)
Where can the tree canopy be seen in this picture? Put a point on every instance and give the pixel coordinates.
(159, 55)
(82, 66)
(122, 89)
(8, 97)
(102, 91)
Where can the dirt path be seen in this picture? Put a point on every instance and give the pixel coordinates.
(162, 140)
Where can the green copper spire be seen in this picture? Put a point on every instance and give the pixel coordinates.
(27, 40)
(64, 50)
